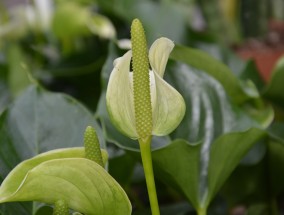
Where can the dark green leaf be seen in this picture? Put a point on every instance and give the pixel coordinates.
(276, 163)
(4, 92)
(239, 92)
(246, 185)
(259, 209)
(276, 131)
(39, 121)
(209, 112)
(23, 208)
(44, 210)
(176, 209)
(252, 73)
(178, 164)
(226, 154)
(121, 168)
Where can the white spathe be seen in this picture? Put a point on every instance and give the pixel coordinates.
(168, 106)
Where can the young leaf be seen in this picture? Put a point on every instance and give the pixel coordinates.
(83, 184)
(18, 174)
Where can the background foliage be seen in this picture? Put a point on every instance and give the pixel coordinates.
(227, 154)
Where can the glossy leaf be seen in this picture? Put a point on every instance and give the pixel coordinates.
(239, 92)
(179, 164)
(83, 184)
(38, 121)
(210, 112)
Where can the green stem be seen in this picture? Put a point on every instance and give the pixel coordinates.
(145, 148)
(201, 211)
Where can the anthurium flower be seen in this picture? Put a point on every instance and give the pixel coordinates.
(168, 106)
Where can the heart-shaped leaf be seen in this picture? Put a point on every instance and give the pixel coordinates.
(36, 122)
(83, 184)
(211, 116)
(179, 164)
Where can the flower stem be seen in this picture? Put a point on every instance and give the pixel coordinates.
(201, 211)
(145, 148)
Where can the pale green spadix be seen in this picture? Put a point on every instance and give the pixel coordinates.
(132, 98)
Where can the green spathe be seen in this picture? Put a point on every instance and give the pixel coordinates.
(168, 106)
(65, 175)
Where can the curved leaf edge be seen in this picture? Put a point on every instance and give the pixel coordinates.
(239, 91)
(100, 171)
(22, 169)
(195, 200)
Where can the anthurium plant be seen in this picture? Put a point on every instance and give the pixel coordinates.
(68, 178)
(172, 130)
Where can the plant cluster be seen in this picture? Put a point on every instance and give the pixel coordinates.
(91, 121)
